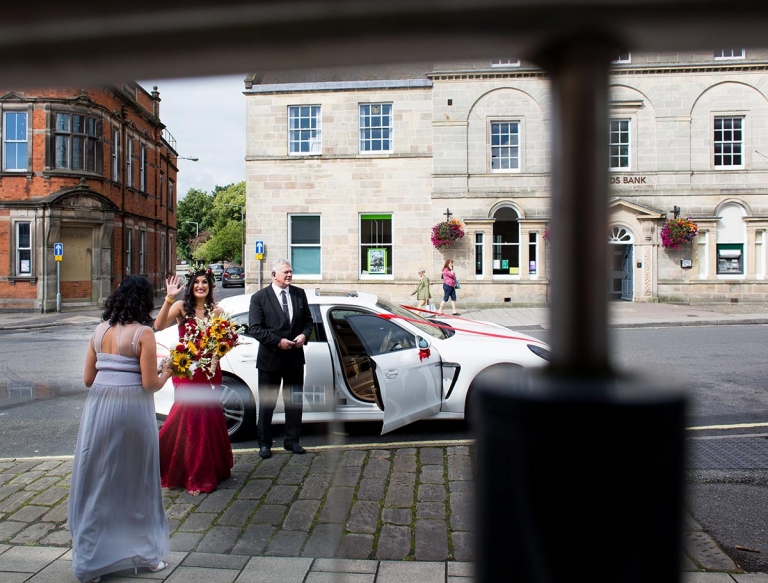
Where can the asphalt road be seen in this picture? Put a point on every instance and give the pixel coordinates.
(722, 366)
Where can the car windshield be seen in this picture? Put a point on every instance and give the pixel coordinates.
(421, 323)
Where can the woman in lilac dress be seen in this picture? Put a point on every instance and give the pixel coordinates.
(116, 514)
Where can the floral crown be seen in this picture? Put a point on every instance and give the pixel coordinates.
(199, 269)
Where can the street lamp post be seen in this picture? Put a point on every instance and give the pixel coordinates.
(187, 158)
(242, 233)
(197, 227)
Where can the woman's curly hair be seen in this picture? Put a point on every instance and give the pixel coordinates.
(132, 301)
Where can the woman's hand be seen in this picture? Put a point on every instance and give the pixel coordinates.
(173, 285)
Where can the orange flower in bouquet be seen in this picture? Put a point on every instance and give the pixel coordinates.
(204, 342)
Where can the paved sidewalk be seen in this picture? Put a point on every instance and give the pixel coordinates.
(389, 515)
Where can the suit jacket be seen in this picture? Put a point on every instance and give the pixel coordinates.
(267, 324)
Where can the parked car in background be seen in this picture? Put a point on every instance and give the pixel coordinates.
(233, 276)
(218, 269)
(369, 360)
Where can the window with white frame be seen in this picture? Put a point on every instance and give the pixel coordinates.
(128, 251)
(162, 255)
(505, 63)
(23, 248)
(115, 166)
(77, 142)
(376, 244)
(143, 169)
(129, 163)
(142, 252)
(505, 146)
(729, 54)
(506, 242)
(479, 249)
(623, 58)
(533, 253)
(375, 127)
(304, 130)
(306, 250)
(15, 144)
(619, 144)
(729, 142)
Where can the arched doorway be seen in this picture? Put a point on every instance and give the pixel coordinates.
(620, 256)
(506, 242)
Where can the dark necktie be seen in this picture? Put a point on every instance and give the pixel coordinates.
(285, 305)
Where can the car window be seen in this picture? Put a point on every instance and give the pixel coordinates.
(421, 323)
(379, 335)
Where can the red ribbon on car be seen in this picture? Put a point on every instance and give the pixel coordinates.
(454, 328)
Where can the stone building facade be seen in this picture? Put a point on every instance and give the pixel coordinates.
(95, 170)
(348, 170)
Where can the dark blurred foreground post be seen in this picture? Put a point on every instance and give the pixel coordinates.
(579, 469)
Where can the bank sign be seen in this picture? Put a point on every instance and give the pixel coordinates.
(628, 180)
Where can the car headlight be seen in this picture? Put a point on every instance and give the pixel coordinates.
(540, 351)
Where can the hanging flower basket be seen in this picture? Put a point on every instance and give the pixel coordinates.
(678, 231)
(547, 235)
(447, 232)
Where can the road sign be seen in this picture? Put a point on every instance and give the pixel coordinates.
(259, 249)
(58, 251)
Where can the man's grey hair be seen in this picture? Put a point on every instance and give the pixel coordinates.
(278, 262)
(422, 270)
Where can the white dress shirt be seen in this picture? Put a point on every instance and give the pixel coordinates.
(278, 292)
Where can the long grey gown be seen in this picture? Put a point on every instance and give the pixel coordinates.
(116, 515)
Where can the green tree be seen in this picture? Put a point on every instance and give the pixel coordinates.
(224, 245)
(195, 207)
(225, 214)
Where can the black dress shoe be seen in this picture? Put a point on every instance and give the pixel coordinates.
(265, 452)
(295, 448)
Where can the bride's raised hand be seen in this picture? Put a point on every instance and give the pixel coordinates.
(173, 285)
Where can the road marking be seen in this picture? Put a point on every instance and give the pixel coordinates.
(732, 426)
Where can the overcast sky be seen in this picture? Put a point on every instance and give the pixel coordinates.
(206, 115)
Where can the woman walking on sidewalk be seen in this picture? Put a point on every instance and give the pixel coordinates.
(450, 284)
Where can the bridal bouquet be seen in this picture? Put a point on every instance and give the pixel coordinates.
(204, 342)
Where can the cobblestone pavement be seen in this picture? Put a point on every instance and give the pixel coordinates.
(368, 509)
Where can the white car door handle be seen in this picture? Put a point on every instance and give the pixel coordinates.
(246, 357)
(391, 373)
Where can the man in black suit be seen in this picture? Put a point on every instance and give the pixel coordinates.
(279, 318)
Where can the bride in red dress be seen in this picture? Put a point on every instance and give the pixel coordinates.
(195, 452)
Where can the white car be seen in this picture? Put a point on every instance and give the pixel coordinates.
(369, 360)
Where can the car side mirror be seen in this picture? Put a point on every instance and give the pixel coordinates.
(422, 342)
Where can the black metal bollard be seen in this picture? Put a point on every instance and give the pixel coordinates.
(579, 478)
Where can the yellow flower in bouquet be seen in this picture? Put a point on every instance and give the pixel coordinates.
(204, 342)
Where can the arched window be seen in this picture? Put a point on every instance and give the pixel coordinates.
(506, 242)
(731, 234)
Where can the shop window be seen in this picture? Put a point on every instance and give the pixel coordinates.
(306, 251)
(479, 249)
(506, 242)
(533, 253)
(376, 245)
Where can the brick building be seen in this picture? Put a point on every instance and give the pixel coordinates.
(93, 169)
(345, 162)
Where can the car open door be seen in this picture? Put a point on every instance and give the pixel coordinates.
(407, 370)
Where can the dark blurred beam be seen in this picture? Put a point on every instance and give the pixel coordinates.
(86, 41)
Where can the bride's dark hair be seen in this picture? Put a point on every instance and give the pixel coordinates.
(130, 302)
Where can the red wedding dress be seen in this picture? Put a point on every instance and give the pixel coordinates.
(195, 452)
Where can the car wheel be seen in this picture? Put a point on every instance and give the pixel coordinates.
(239, 409)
